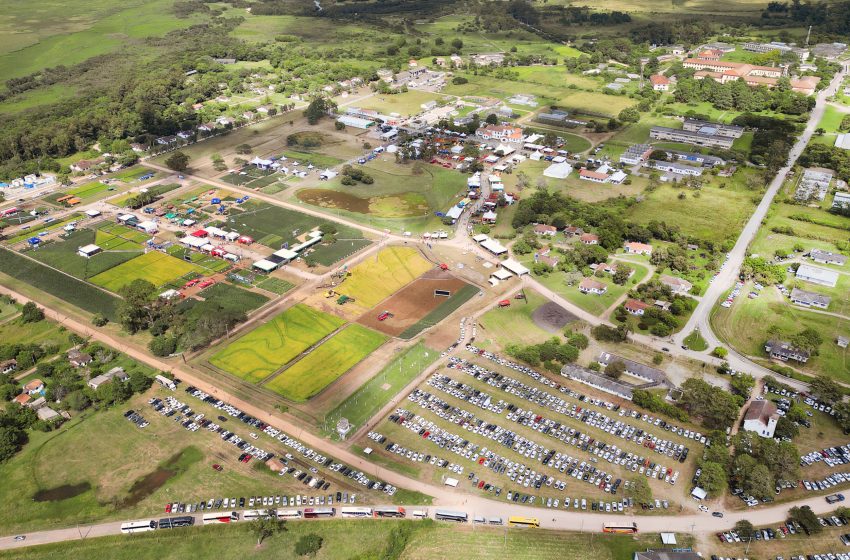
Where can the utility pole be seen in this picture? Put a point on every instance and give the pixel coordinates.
(808, 34)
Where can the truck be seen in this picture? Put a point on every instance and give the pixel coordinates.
(505, 303)
(833, 498)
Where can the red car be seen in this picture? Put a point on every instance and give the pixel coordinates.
(191, 283)
(168, 508)
(206, 284)
(384, 316)
(217, 467)
(246, 459)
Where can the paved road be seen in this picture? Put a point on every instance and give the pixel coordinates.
(728, 273)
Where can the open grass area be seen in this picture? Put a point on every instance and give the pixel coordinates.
(40, 332)
(233, 297)
(377, 277)
(375, 393)
(596, 304)
(43, 228)
(745, 326)
(326, 363)
(514, 324)
(62, 286)
(261, 352)
(405, 104)
(275, 285)
(695, 341)
(154, 266)
(63, 255)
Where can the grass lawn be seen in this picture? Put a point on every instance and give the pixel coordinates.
(695, 341)
(514, 324)
(375, 393)
(155, 267)
(40, 332)
(405, 104)
(745, 326)
(378, 277)
(326, 363)
(275, 285)
(7, 309)
(261, 352)
(63, 255)
(318, 160)
(595, 304)
(51, 227)
(116, 237)
(831, 120)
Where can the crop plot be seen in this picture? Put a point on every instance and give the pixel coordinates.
(376, 278)
(155, 267)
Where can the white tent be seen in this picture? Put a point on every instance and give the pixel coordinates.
(558, 170)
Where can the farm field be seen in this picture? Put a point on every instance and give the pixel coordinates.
(261, 352)
(229, 296)
(62, 254)
(523, 322)
(325, 363)
(156, 267)
(361, 405)
(413, 302)
(441, 312)
(39, 332)
(275, 285)
(406, 104)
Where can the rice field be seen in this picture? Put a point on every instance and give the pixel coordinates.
(155, 267)
(376, 278)
(261, 352)
(325, 364)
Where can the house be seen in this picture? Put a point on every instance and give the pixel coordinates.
(784, 351)
(500, 133)
(825, 257)
(809, 299)
(47, 414)
(594, 176)
(488, 59)
(659, 82)
(667, 554)
(23, 399)
(79, 359)
(34, 387)
(677, 285)
(635, 248)
(610, 269)
(635, 307)
(636, 154)
(115, 373)
(8, 366)
(813, 184)
(816, 275)
(591, 286)
(589, 239)
(675, 168)
(543, 229)
(88, 251)
(573, 231)
(761, 418)
(635, 369)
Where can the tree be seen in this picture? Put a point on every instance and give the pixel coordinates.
(622, 274)
(318, 108)
(309, 544)
(720, 352)
(629, 114)
(807, 518)
(139, 382)
(808, 339)
(244, 149)
(639, 490)
(133, 312)
(31, 313)
(713, 477)
(457, 44)
(491, 119)
(744, 529)
(99, 320)
(742, 384)
(178, 161)
(266, 526)
(339, 125)
(615, 369)
(825, 389)
(12, 439)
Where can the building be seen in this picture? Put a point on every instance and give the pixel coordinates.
(594, 176)
(558, 170)
(784, 351)
(659, 82)
(488, 59)
(514, 267)
(817, 275)
(34, 387)
(543, 229)
(724, 72)
(591, 286)
(589, 239)
(500, 133)
(676, 285)
(635, 248)
(88, 251)
(115, 373)
(695, 157)
(842, 141)
(667, 554)
(813, 184)
(636, 154)
(635, 307)
(8, 366)
(841, 200)
(809, 299)
(825, 257)
(490, 244)
(79, 359)
(635, 369)
(761, 418)
(696, 138)
(675, 168)
(23, 399)
(47, 414)
(802, 54)
(355, 122)
(597, 380)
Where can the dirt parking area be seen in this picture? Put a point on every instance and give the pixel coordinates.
(411, 303)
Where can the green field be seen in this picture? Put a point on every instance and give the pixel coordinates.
(326, 363)
(377, 277)
(596, 304)
(275, 285)
(57, 284)
(513, 325)
(116, 237)
(63, 255)
(233, 297)
(405, 104)
(261, 352)
(364, 403)
(154, 266)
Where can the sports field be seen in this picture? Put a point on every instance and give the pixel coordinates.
(321, 367)
(155, 267)
(261, 352)
(377, 277)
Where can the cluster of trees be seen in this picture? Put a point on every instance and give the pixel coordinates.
(737, 95)
(604, 333)
(352, 175)
(822, 155)
(759, 462)
(715, 407)
(677, 259)
(319, 107)
(553, 353)
(772, 140)
(762, 271)
(660, 322)
(658, 404)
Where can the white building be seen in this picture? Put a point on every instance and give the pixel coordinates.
(817, 275)
(88, 251)
(761, 418)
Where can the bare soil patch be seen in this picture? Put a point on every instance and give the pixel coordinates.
(551, 317)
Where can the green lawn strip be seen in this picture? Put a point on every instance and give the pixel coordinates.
(35, 230)
(592, 303)
(316, 159)
(695, 341)
(275, 285)
(65, 287)
(155, 267)
(361, 405)
(444, 310)
(261, 352)
(326, 363)
(63, 255)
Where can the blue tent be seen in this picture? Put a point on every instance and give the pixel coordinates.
(216, 201)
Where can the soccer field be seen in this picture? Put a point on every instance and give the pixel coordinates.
(377, 277)
(155, 267)
(264, 350)
(325, 364)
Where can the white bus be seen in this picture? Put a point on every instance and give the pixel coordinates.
(355, 512)
(313, 513)
(220, 517)
(250, 514)
(447, 515)
(288, 513)
(166, 382)
(141, 526)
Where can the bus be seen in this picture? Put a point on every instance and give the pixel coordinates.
(313, 513)
(131, 527)
(174, 522)
(390, 512)
(629, 528)
(447, 515)
(220, 517)
(288, 513)
(255, 514)
(517, 521)
(355, 512)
